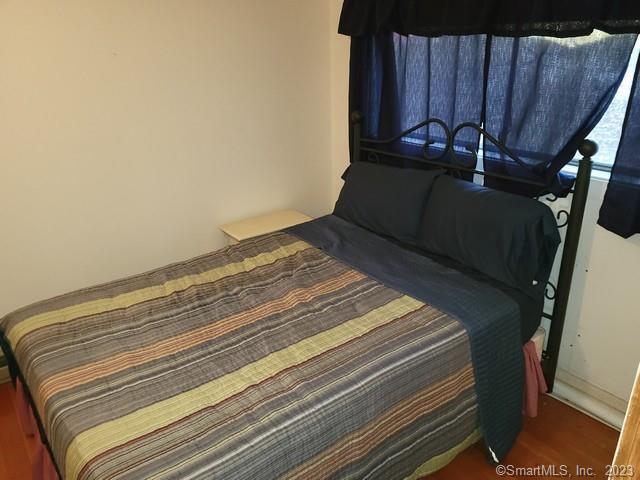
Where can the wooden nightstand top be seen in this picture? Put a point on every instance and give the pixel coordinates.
(271, 222)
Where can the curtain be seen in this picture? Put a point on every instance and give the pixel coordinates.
(511, 18)
(620, 211)
(441, 78)
(540, 96)
(544, 96)
(399, 81)
(373, 86)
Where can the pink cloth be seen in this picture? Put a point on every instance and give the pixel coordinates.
(43, 467)
(534, 382)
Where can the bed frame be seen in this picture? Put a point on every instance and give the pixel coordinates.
(572, 221)
(374, 148)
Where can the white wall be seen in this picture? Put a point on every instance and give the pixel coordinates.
(130, 129)
(602, 329)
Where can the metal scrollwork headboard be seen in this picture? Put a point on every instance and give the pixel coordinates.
(569, 219)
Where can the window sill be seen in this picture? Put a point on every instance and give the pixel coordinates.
(598, 174)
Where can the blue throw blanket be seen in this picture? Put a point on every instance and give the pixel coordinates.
(490, 316)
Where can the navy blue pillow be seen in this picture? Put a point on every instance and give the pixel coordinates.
(385, 200)
(510, 238)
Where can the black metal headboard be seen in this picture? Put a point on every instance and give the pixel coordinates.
(572, 221)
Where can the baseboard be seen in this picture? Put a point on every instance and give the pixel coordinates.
(591, 390)
(4, 375)
(587, 404)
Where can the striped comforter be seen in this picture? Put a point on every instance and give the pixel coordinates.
(262, 360)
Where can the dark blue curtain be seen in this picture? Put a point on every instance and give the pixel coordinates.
(544, 96)
(540, 96)
(620, 211)
(399, 81)
(373, 87)
(441, 78)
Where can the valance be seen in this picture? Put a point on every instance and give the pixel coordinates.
(432, 18)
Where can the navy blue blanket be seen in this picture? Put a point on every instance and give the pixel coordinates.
(490, 316)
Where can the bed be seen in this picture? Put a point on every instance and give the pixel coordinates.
(321, 351)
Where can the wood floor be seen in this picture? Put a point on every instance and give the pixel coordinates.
(17, 452)
(559, 436)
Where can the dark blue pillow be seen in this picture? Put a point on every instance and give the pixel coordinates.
(510, 238)
(385, 200)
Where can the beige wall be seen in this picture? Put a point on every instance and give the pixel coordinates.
(130, 129)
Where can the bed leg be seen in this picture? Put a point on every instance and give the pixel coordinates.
(550, 358)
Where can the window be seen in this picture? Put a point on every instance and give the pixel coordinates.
(608, 131)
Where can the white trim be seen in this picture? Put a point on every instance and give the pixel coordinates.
(591, 390)
(588, 405)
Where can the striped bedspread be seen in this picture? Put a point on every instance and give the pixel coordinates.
(263, 360)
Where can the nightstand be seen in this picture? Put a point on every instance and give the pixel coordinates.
(255, 226)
